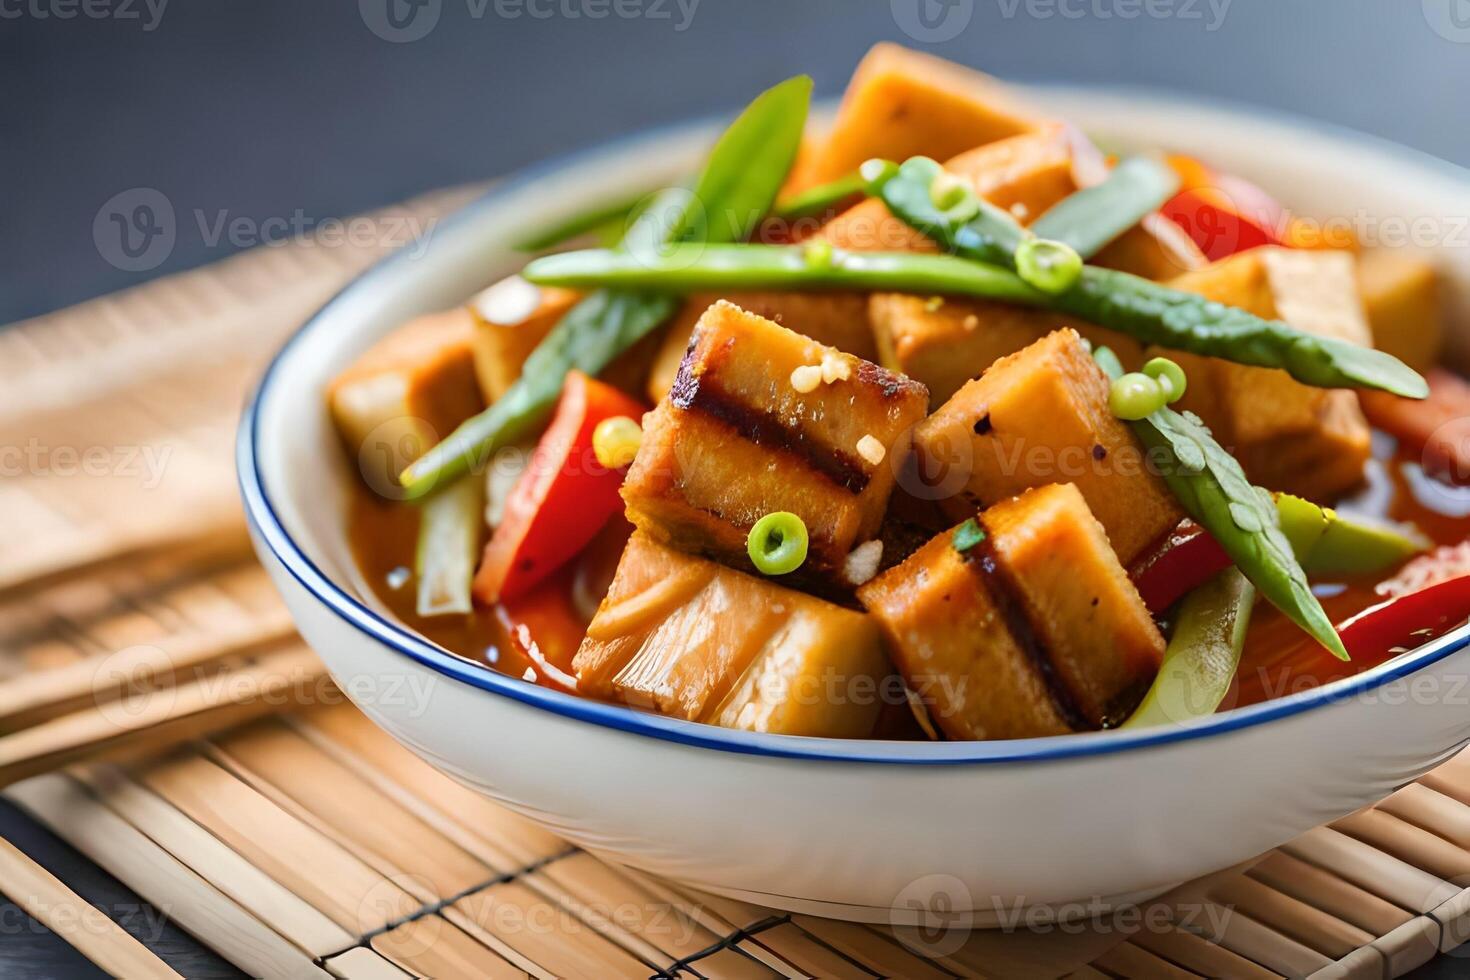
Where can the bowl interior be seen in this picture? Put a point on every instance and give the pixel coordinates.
(305, 478)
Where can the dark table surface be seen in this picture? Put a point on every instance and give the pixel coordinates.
(251, 117)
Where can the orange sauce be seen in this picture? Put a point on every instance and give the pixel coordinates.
(536, 637)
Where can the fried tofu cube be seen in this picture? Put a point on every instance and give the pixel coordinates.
(944, 343)
(1041, 416)
(1288, 436)
(689, 638)
(902, 103)
(405, 393)
(836, 319)
(762, 419)
(1155, 248)
(1030, 627)
(511, 318)
(1401, 296)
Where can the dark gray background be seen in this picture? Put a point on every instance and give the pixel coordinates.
(269, 109)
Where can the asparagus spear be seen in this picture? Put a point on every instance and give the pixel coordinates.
(1155, 314)
(1138, 307)
(739, 182)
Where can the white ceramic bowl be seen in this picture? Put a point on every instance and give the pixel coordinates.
(861, 829)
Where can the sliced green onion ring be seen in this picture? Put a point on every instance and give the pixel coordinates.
(777, 543)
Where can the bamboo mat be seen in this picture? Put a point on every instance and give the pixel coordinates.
(314, 846)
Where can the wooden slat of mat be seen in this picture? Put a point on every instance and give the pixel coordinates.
(617, 907)
(311, 865)
(1409, 843)
(247, 885)
(42, 896)
(728, 963)
(1409, 946)
(502, 839)
(1191, 952)
(1259, 943)
(1439, 814)
(875, 951)
(362, 963)
(1292, 918)
(721, 916)
(328, 797)
(807, 955)
(1020, 952)
(1373, 870)
(1129, 960)
(68, 810)
(547, 935)
(434, 947)
(1326, 891)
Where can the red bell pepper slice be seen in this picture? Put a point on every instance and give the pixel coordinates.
(1407, 621)
(562, 500)
(1219, 225)
(1185, 559)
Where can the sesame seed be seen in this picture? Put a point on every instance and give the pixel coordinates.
(806, 378)
(933, 304)
(835, 368)
(971, 322)
(862, 562)
(870, 449)
(1020, 210)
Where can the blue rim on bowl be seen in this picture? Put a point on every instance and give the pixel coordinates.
(263, 519)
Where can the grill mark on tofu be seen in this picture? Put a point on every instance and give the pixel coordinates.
(984, 560)
(764, 429)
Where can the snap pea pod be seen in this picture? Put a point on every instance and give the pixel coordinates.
(819, 199)
(1094, 216)
(740, 180)
(1213, 490)
(601, 219)
(966, 223)
(1203, 654)
(1138, 307)
(1146, 310)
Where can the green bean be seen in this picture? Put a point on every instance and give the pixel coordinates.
(1094, 216)
(1138, 307)
(819, 199)
(1203, 654)
(740, 180)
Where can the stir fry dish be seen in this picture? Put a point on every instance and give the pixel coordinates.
(937, 421)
